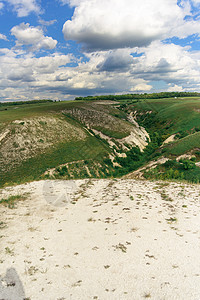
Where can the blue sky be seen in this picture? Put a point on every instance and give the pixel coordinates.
(61, 49)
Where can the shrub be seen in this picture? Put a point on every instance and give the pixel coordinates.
(187, 164)
(10, 201)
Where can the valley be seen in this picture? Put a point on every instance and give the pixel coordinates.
(94, 138)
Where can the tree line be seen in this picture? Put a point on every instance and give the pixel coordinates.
(24, 102)
(141, 96)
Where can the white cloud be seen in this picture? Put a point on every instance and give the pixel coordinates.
(51, 76)
(168, 63)
(3, 37)
(63, 2)
(142, 86)
(1, 5)
(125, 51)
(110, 24)
(196, 2)
(47, 23)
(24, 7)
(27, 76)
(70, 2)
(23, 75)
(175, 88)
(32, 36)
(119, 60)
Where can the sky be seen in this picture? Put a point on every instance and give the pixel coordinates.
(61, 49)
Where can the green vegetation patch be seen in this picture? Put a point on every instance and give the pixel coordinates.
(85, 169)
(11, 200)
(161, 114)
(140, 96)
(167, 116)
(185, 169)
(33, 168)
(184, 145)
(110, 122)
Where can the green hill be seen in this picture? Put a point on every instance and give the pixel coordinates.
(176, 120)
(99, 138)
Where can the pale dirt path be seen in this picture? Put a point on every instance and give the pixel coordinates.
(101, 239)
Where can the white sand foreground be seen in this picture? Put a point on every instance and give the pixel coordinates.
(101, 239)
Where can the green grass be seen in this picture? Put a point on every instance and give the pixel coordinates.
(173, 170)
(169, 116)
(182, 112)
(117, 134)
(33, 110)
(184, 145)
(84, 169)
(90, 148)
(33, 168)
(165, 117)
(115, 127)
(11, 200)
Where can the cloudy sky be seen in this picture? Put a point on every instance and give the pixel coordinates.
(60, 49)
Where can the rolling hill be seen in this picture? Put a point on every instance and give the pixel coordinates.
(99, 138)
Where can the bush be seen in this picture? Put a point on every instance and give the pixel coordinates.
(193, 158)
(187, 164)
(181, 134)
(108, 162)
(170, 163)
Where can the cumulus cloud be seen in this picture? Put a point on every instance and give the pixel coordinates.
(169, 63)
(175, 88)
(3, 37)
(1, 5)
(196, 2)
(27, 35)
(52, 77)
(110, 24)
(118, 60)
(70, 2)
(47, 23)
(23, 75)
(24, 7)
(141, 86)
(125, 52)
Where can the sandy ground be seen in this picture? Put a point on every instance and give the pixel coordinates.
(101, 239)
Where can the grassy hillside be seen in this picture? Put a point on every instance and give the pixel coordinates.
(181, 114)
(185, 145)
(178, 118)
(78, 139)
(37, 137)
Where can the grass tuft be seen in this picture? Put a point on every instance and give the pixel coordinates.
(11, 200)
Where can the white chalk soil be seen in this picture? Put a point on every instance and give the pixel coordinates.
(101, 239)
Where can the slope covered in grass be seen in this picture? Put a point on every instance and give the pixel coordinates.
(34, 167)
(175, 119)
(37, 137)
(78, 139)
(180, 114)
(168, 116)
(185, 144)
